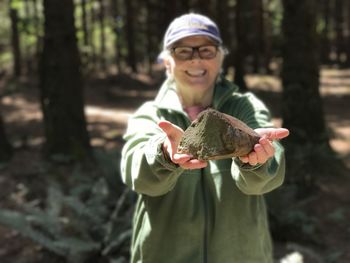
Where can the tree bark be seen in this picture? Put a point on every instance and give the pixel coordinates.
(101, 18)
(15, 43)
(226, 26)
(325, 35)
(37, 29)
(92, 17)
(348, 36)
(308, 151)
(61, 84)
(130, 35)
(116, 17)
(84, 23)
(302, 104)
(339, 30)
(5, 146)
(240, 50)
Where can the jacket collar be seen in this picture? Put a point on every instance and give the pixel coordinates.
(167, 97)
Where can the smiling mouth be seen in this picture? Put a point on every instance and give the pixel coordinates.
(196, 73)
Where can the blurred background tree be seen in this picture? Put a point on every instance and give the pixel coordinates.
(5, 146)
(61, 84)
(113, 37)
(55, 49)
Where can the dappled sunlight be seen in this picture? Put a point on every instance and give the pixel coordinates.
(332, 82)
(335, 82)
(335, 91)
(131, 93)
(264, 83)
(120, 116)
(24, 110)
(106, 126)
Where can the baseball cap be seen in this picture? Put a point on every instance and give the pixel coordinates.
(191, 25)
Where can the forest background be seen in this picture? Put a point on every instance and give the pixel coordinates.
(72, 72)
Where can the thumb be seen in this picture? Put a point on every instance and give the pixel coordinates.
(171, 130)
(273, 133)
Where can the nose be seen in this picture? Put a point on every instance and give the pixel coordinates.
(195, 54)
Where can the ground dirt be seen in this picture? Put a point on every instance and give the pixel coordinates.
(109, 103)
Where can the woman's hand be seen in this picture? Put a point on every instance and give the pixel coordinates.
(174, 134)
(264, 149)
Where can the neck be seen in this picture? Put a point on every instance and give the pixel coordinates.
(189, 98)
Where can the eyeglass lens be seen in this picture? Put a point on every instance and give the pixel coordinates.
(186, 53)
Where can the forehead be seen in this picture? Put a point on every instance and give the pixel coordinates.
(194, 41)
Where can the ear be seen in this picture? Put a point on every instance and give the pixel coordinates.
(167, 63)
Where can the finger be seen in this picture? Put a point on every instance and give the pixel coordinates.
(244, 159)
(261, 154)
(194, 164)
(181, 158)
(268, 146)
(253, 159)
(273, 133)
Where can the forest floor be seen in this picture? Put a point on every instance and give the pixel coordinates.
(109, 103)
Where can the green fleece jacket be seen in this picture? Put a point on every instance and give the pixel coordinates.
(212, 215)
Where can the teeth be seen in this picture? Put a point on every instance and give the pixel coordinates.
(196, 72)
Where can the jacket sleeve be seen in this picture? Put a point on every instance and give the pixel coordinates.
(264, 178)
(144, 167)
(260, 179)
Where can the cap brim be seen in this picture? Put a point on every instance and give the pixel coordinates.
(175, 39)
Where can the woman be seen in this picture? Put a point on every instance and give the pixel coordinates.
(188, 210)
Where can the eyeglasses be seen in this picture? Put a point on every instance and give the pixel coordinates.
(187, 53)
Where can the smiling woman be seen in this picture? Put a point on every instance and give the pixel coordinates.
(198, 209)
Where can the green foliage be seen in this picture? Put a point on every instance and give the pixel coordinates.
(333, 257)
(275, 11)
(85, 222)
(5, 55)
(300, 219)
(288, 219)
(338, 215)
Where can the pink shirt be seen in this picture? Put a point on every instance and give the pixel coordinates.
(193, 111)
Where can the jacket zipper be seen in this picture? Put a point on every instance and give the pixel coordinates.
(205, 230)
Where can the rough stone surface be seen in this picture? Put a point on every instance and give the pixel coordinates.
(215, 135)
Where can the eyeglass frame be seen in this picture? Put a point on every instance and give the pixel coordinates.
(195, 49)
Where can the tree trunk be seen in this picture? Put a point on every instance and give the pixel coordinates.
(268, 35)
(92, 17)
(5, 146)
(116, 17)
(260, 62)
(84, 23)
(101, 19)
(302, 108)
(37, 29)
(204, 7)
(339, 30)
(348, 36)
(15, 43)
(61, 84)
(225, 24)
(130, 35)
(27, 48)
(150, 35)
(325, 35)
(240, 50)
